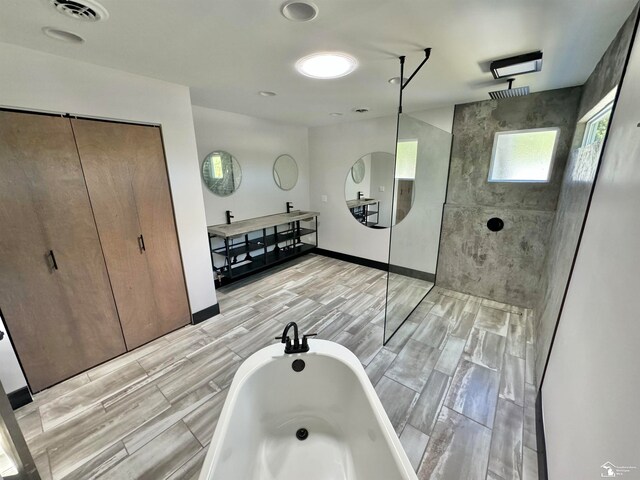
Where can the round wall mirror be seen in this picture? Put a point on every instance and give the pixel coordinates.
(370, 201)
(221, 173)
(285, 172)
(358, 171)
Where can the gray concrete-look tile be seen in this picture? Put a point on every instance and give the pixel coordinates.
(485, 349)
(413, 365)
(474, 392)
(425, 413)
(493, 320)
(397, 401)
(512, 381)
(414, 443)
(457, 449)
(505, 457)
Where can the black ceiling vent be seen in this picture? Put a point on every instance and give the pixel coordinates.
(87, 10)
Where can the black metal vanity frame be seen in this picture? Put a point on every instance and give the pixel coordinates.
(243, 245)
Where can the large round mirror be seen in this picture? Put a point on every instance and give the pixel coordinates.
(285, 172)
(370, 201)
(221, 173)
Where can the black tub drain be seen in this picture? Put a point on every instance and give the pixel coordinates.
(302, 434)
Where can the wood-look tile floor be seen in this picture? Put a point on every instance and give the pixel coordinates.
(456, 380)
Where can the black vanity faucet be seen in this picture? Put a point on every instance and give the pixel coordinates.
(296, 347)
(289, 206)
(360, 195)
(229, 217)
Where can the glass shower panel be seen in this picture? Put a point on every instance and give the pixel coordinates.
(420, 186)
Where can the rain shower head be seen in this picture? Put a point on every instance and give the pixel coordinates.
(509, 92)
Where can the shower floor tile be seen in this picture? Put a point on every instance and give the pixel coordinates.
(458, 362)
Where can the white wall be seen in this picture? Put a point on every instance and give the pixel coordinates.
(10, 372)
(35, 80)
(591, 389)
(256, 143)
(332, 151)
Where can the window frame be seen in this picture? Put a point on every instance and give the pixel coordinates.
(590, 127)
(522, 131)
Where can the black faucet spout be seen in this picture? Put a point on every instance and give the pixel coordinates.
(289, 206)
(296, 346)
(229, 216)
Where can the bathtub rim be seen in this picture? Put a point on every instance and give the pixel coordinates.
(321, 347)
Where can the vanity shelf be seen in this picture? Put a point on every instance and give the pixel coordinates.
(262, 242)
(361, 210)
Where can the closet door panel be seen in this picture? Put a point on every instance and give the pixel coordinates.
(63, 320)
(107, 154)
(155, 212)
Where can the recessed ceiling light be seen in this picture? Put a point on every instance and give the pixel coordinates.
(335, 114)
(62, 35)
(299, 11)
(326, 65)
(396, 80)
(266, 93)
(361, 110)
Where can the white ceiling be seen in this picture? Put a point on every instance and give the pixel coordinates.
(228, 50)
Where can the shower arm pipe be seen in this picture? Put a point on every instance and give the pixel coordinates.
(427, 54)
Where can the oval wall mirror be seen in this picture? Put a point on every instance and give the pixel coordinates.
(285, 172)
(221, 173)
(370, 201)
(358, 171)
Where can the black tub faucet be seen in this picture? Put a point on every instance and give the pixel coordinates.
(289, 206)
(229, 217)
(297, 346)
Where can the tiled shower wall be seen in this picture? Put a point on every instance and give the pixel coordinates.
(503, 266)
(575, 191)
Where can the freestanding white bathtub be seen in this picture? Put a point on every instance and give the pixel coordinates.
(349, 436)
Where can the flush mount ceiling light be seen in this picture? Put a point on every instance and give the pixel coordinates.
(62, 35)
(518, 65)
(266, 93)
(299, 11)
(326, 65)
(87, 10)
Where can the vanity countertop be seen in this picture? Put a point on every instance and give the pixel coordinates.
(242, 227)
(361, 203)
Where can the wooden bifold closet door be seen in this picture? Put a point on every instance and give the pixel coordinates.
(55, 295)
(126, 176)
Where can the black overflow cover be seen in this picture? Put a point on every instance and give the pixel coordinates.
(298, 365)
(495, 224)
(302, 434)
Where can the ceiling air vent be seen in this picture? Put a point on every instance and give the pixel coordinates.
(87, 10)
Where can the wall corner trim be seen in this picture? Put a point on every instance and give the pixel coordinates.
(205, 314)
(543, 473)
(19, 398)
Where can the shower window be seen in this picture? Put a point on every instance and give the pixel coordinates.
(597, 126)
(523, 155)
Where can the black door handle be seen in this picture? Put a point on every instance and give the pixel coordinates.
(141, 243)
(53, 260)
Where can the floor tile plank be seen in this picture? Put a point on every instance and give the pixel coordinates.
(457, 449)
